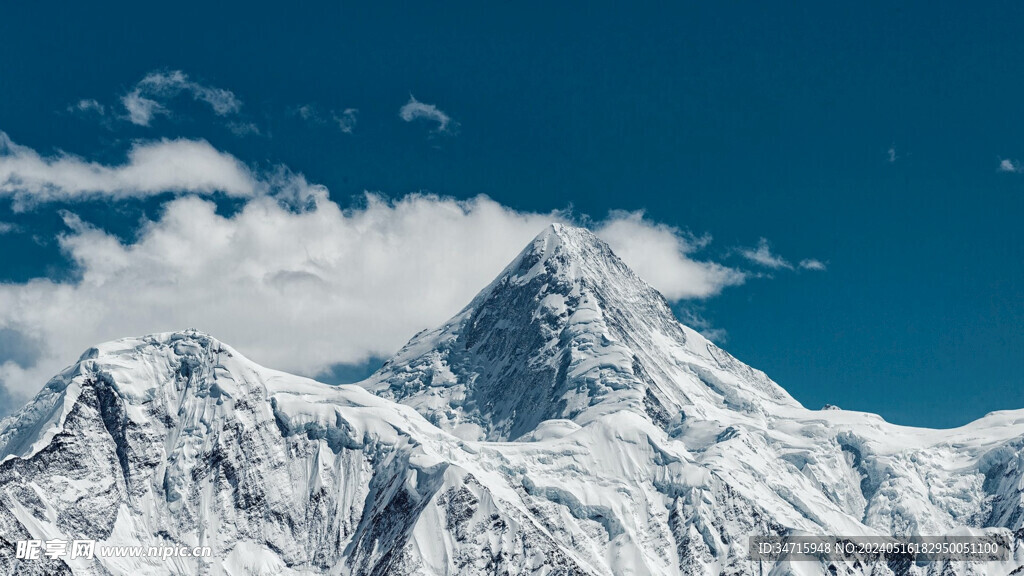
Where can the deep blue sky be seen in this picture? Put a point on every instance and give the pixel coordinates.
(743, 122)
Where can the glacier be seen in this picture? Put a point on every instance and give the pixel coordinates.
(564, 422)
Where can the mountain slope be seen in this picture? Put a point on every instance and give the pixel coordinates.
(563, 423)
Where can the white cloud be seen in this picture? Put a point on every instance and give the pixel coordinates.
(7, 228)
(88, 105)
(143, 102)
(660, 254)
(1011, 166)
(141, 109)
(416, 110)
(763, 256)
(890, 155)
(151, 168)
(812, 264)
(303, 290)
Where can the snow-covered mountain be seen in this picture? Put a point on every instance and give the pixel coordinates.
(563, 423)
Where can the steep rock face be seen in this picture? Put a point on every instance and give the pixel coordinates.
(563, 423)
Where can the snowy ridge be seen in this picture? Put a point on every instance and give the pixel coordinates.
(563, 423)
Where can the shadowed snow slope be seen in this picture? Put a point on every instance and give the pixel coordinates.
(563, 423)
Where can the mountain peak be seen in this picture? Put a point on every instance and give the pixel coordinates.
(573, 241)
(566, 331)
(565, 258)
(572, 235)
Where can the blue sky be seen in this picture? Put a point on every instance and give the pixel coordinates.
(882, 141)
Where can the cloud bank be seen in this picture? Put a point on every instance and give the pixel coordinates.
(292, 279)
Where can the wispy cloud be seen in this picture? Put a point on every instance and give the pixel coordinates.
(345, 120)
(151, 168)
(812, 264)
(890, 154)
(7, 228)
(763, 256)
(309, 113)
(144, 101)
(416, 110)
(141, 110)
(244, 128)
(1010, 166)
(88, 105)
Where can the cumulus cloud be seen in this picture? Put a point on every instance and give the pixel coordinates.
(812, 264)
(143, 102)
(304, 290)
(763, 256)
(1010, 166)
(151, 168)
(416, 110)
(7, 228)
